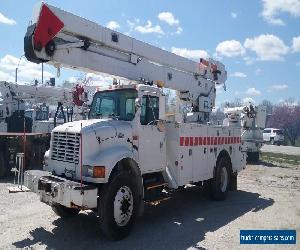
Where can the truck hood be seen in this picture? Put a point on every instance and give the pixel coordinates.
(103, 129)
(86, 125)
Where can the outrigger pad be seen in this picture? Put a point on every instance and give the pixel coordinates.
(18, 189)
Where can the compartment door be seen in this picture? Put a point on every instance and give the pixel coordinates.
(200, 155)
(185, 167)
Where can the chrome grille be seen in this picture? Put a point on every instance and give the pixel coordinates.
(65, 147)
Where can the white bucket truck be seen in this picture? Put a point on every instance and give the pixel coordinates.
(127, 153)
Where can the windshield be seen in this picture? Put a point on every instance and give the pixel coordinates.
(118, 104)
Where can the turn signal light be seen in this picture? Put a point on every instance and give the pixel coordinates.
(99, 172)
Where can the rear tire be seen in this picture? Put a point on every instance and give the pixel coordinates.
(220, 183)
(118, 206)
(255, 156)
(252, 157)
(64, 212)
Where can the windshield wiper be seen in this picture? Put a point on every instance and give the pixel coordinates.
(99, 115)
(114, 116)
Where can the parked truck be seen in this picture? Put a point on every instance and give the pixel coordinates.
(127, 153)
(24, 130)
(252, 120)
(273, 136)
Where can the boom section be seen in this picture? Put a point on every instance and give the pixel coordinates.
(66, 40)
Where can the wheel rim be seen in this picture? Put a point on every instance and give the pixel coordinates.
(123, 206)
(224, 179)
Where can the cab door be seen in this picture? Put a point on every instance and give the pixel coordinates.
(152, 138)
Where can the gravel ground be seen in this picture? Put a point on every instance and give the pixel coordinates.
(268, 198)
(289, 150)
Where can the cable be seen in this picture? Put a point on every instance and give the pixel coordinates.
(81, 146)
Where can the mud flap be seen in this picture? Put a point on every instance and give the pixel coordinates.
(233, 182)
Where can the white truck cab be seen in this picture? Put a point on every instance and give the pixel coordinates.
(121, 119)
(40, 119)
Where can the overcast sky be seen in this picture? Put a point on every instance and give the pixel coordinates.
(258, 41)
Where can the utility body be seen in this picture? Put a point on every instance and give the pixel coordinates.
(129, 151)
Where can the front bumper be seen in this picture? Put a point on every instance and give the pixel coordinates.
(53, 189)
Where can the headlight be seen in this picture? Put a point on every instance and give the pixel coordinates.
(46, 160)
(94, 171)
(90, 171)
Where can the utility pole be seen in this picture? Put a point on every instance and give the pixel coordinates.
(16, 75)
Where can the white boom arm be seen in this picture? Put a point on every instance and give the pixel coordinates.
(12, 92)
(39, 91)
(67, 40)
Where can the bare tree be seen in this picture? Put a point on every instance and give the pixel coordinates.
(217, 117)
(238, 102)
(287, 118)
(232, 104)
(268, 105)
(290, 101)
(269, 109)
(67, 84)
(85, 79)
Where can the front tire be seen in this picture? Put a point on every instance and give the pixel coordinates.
(220, 183)
(118, 206)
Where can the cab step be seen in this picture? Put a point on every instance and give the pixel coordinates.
(155, 200)
(154, 203)
(155, 185)
(155, 194)
(155, 188)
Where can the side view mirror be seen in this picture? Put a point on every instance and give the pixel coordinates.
(161, 126)
(137, 103)
(162, 107)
